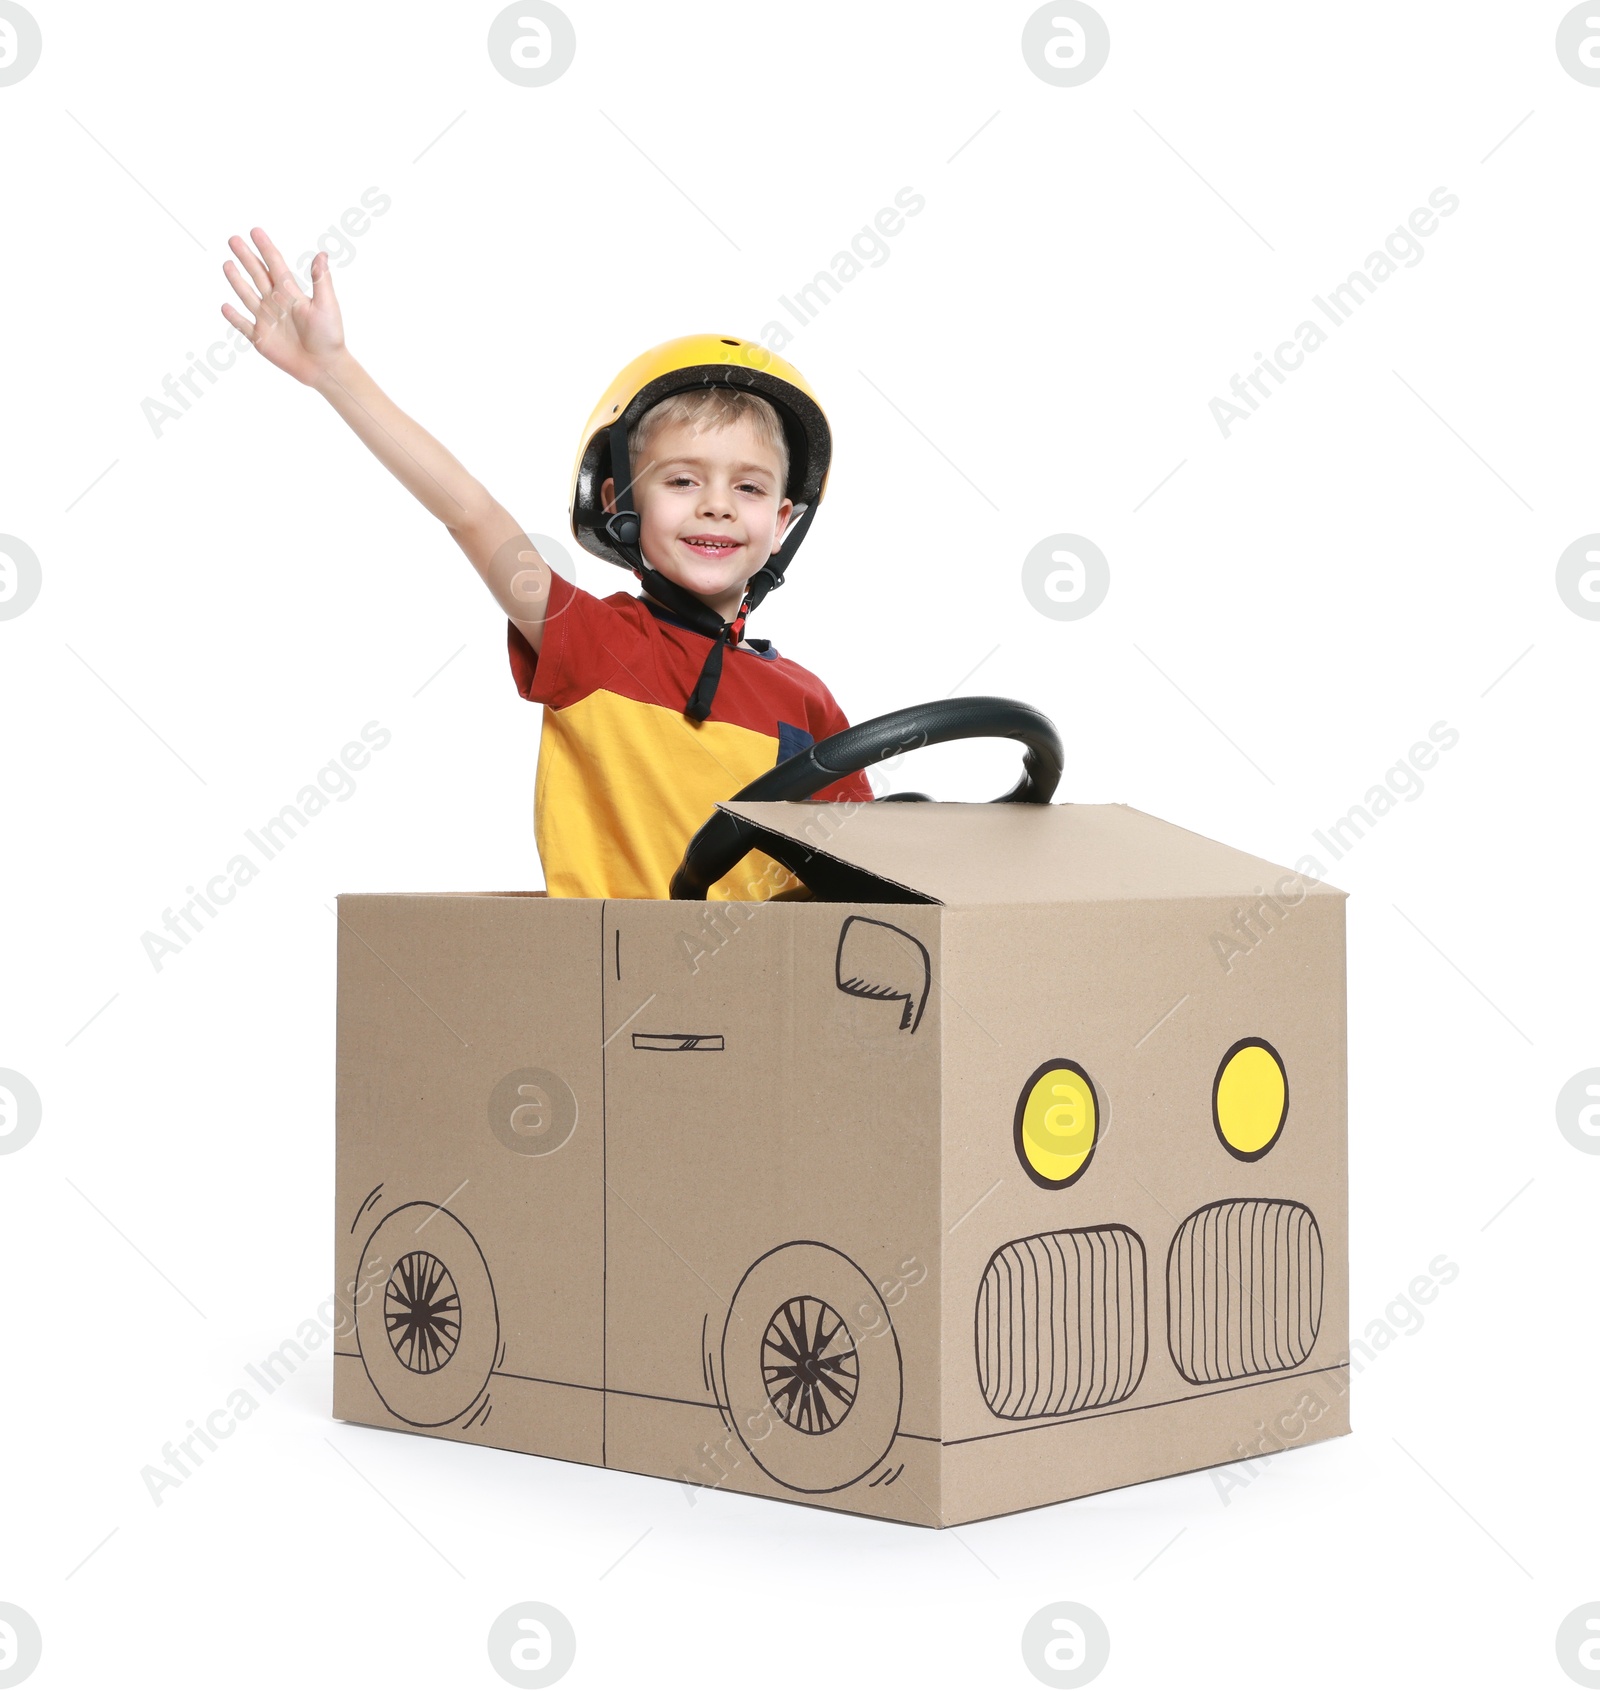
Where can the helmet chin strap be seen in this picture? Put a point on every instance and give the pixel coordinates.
(622, 529)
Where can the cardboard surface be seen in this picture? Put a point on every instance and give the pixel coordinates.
(925, 1211)
(1133, 993)
(1020, 853)
(440, 999)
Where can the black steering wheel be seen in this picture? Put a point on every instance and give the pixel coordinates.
(725, 838)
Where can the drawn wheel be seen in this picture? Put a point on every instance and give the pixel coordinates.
(811, 1368)
(422, 1313)
(808, 1360)
(429, 1341)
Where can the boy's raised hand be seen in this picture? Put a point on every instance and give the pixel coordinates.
(306, 338)
(302, 336)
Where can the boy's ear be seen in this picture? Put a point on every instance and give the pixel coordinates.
(785, 512)
(608, 494)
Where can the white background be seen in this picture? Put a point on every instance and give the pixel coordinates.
(227, 602)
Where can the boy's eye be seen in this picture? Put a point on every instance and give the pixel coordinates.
(752, 487)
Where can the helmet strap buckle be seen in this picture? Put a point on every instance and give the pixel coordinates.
(622, 526)
(622, 529)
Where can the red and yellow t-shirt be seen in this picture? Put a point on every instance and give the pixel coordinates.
(625, 778)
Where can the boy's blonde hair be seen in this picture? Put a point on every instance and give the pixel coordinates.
(714, 408)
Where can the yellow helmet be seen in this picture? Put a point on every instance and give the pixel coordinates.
(675, 366)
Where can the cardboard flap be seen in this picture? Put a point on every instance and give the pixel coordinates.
(1001, 853)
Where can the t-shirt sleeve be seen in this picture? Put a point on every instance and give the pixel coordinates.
(585, 641)
(832, 721)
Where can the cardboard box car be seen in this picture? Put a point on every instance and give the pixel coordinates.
(1007, 1168)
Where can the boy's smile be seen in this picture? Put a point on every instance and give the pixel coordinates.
(709, 546)
(711, 508)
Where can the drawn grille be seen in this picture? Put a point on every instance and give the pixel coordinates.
(1244, 1289)
(1060, 1322)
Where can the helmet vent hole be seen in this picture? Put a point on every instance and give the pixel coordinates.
(727, 342)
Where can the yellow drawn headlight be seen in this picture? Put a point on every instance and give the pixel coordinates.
(1250, 1099)
(1057, 1123)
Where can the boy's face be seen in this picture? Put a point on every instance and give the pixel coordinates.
(711, 507)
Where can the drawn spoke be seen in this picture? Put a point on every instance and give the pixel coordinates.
(422, 1312)
(808, 1363)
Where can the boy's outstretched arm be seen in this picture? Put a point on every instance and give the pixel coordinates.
(305, 338)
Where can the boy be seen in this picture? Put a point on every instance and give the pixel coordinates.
(656, 705)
